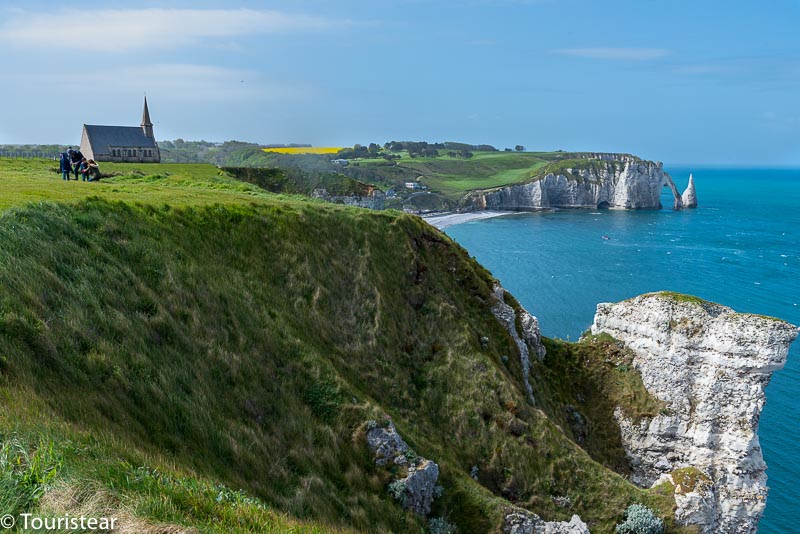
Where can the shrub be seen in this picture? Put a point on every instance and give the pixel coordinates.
(639, 519)
(397, 489)
(324, 399)
(439, 525)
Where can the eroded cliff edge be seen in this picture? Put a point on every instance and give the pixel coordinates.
(710, 366)
(620, 181)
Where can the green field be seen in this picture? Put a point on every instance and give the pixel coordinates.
(175, 184)
(190, 353)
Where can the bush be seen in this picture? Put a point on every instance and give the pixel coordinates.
(639, 519)
(439, 525)
(397, 489)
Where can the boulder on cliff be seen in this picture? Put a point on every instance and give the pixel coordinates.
(520, 521)
(386, 445)
(417, 489)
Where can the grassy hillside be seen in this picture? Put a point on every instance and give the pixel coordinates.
(184, 351)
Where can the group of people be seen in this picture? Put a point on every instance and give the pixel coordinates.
(73, 161)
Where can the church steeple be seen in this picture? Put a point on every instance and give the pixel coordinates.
(147, 125)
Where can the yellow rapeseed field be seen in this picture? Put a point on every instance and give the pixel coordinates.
(304, 150)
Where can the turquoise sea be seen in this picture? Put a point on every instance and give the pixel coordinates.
(740, 248)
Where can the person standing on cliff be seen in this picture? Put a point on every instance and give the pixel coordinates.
(75, 157)
(64, 166)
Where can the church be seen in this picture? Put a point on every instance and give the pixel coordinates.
(121, 143)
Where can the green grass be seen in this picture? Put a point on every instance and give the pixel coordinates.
(176, 184)
(184, 349)
(691, 299)
(592, 378)
(452, 178)
(681, 297)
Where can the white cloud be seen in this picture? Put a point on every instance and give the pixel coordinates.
(617, 54)
(115, 30)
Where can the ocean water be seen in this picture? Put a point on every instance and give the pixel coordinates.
(740, 248)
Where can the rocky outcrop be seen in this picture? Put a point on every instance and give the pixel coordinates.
(612, 181)
(689, 196)
(417, 489)
(519, 521)
(420, 487)
(710, 366)
(523, 329)
(386, 445)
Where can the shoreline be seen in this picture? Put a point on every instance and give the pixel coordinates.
(442, 221)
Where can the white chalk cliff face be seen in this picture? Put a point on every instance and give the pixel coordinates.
(616, 181)
(710, 366)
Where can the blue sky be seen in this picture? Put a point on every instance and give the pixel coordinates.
(681, 82)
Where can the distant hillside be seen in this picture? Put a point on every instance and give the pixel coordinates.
(187, 351)
(444, 173)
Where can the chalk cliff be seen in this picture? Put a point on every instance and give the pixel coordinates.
(598, 181)
(710, 366)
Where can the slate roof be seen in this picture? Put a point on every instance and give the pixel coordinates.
(103, 137)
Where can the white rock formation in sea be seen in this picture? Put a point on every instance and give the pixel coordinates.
(689, 196)
(710, 366)
(606, 181)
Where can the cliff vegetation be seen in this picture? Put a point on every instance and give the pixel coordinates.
(187, 351)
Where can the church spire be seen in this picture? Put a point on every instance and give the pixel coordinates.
(147, 125)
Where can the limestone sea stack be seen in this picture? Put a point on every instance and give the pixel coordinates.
(689, 196)
(709, 365)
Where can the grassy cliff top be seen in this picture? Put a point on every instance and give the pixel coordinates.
(175, 184)
(185, 351)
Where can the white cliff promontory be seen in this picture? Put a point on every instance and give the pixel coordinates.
(690, 195)
(617, 181)
(710, 366)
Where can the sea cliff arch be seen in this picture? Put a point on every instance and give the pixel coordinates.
(678, 204)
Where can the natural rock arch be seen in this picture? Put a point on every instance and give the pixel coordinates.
(678, 205)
